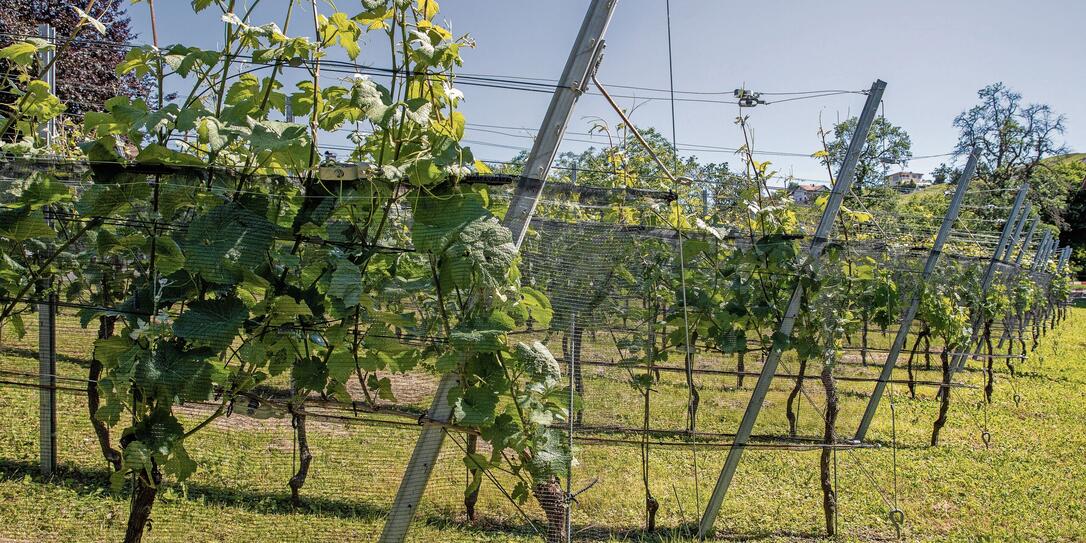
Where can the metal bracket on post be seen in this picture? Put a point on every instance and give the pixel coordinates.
(914, 303)
(999, 255)
(582, 61)
(845, 177)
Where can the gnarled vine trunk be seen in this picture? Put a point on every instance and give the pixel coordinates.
(944, 397)
(305, 456)
(695, 398)
(863, 341)
(553, 501)
(571, 351)
(143, 499)
(790, 412)
(578, 381)
(927, 346)
(829, 494)
(740, 367)
(471, 498)
(106, 326)
(651, 504)
(912, 355)
(989, 385)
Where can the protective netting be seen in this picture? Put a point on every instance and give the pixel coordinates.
(652, 421)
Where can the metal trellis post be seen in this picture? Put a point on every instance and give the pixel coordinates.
(841, 186)
(1002, 250)
(47, 313)
(1040, 250)
(1047, 253)
(1065, 255)
(572, 362)
(914, 303)
(48, 33)
(1029, 239)
(47, 380)
(1018, 231)
(582, 61)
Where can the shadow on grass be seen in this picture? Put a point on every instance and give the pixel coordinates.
(33, 354)
(683, 532)
(91, 481)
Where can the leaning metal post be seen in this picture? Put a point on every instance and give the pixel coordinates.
(1018, 231)
(582, 60)
(1065, 255)
(1029, 239)
(998, 256)
(1040, 251)
(914, 303)
(1043, 260)
(845, 177)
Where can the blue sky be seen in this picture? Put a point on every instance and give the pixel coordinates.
(934, 55)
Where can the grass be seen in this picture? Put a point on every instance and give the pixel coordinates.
(1028, 485)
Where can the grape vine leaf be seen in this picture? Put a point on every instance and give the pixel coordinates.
(213, 323)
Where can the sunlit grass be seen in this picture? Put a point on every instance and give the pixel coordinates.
(1027, 485)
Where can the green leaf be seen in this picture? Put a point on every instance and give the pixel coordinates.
(101, 28)
(484, 341)
(438, 220)
(159, 154)
(284, 309)
(21, 224)
(346, 283)
(180, 463)
(539, 306)
(213, 323)
(226, 239)
(310, 374)
(43, 191)
(23, 52)
(476, 406)
(480, 255)
(449, 361)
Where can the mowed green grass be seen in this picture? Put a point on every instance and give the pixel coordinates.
(1028, 485)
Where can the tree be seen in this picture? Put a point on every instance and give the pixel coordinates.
(1013, 139)
(887, 145)
(1074, 235)
(945, 173)
(86, 74)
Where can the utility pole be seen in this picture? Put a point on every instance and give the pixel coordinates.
(914, 303)
(999, 255)
(580, 65)
(845, 177)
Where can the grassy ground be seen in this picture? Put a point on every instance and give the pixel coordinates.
(1029, 485)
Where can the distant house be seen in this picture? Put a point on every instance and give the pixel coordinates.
(807, 193)
(906, 180)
